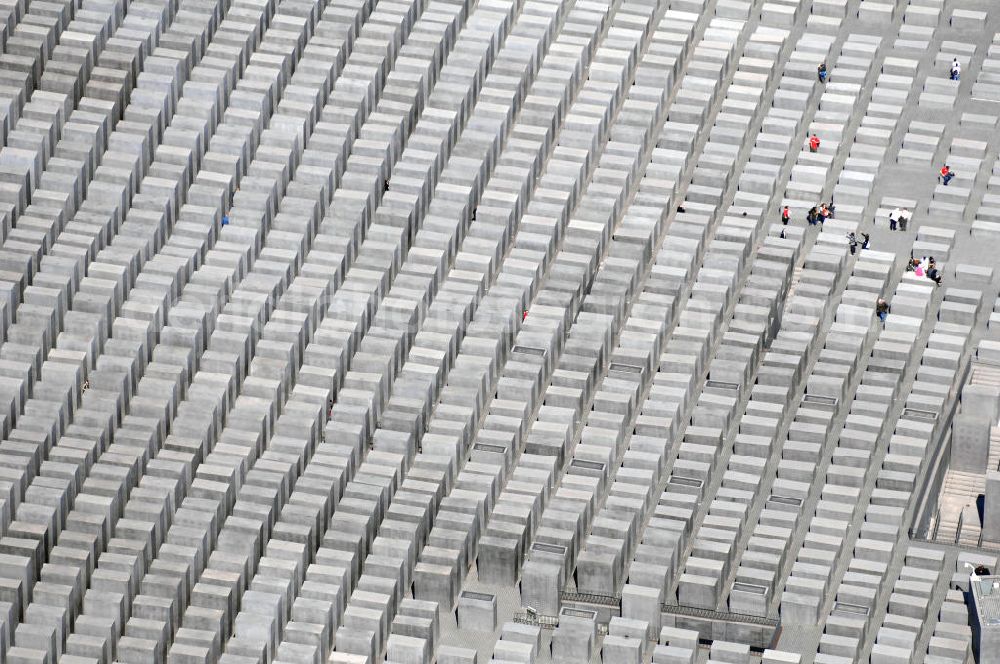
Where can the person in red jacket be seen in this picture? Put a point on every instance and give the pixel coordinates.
(946, 174)
(785, 215)
(814, 143)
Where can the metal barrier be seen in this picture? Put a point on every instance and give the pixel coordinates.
(588, 598)
(725, 616)
(545, 622)
(758, 632)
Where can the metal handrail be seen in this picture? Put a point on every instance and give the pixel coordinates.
(727, 616)
(590, 598)
(545, 622)
(680, 609)
(676, 609)
(992, 546)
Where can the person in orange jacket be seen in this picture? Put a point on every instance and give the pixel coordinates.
(824, 213)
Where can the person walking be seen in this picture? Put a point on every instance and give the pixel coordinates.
(904, 218)
(852, 242)
(821, 72)
(882, 310)
(893, 218)
(866, 241)
(785, 216)
(814, 143)
(956, 69)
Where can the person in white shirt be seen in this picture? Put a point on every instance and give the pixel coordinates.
(956, 69)
(893, 218)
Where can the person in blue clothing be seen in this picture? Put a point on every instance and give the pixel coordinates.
(932, 271)
(821, 72)
(956, 69)
(811, 216)
(882, 310)
(225, 215)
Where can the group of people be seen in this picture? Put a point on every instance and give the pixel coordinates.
(898, 217)
(818, 214)
(925, 267)
(852, 241)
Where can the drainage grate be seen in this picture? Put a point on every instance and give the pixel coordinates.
(848, 609)
(486, 447)
(686, 481)
(820, 400)
(722, 385)
(587, 465)
(920, 414)
(751, 588)
(542, 547)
